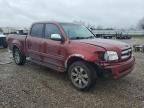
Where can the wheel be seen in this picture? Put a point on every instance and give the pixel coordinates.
(82, 75)
(18, 57)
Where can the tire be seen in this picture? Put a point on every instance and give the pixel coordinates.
(19, 58)
(82, 75)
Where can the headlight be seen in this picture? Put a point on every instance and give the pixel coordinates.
(110, 56)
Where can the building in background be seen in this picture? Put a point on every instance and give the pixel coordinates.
(15, 30)
(118, 33)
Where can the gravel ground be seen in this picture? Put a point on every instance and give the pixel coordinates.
(34, 86)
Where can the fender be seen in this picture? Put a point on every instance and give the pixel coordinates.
(18, 45)
(73, 55)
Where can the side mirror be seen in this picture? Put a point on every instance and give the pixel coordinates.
(56, 37)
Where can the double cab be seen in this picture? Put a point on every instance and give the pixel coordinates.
(72, 48)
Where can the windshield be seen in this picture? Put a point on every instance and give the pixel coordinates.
(76, 31)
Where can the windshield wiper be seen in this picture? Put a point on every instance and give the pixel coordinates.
(90, 37)
(73, 38)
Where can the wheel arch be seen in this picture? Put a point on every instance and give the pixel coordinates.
(72, 58)
(15, 47)
(18, 47)
(78, 57)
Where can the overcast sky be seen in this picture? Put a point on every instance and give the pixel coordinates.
(107, 13)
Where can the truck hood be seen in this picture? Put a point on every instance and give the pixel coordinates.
(107, 44)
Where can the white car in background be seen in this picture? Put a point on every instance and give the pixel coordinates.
(3, 42)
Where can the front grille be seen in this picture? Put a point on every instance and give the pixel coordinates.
(126, 53)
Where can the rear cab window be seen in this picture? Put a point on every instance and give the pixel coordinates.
(37, 30)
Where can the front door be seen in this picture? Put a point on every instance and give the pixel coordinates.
(54, 50)
(35, 42)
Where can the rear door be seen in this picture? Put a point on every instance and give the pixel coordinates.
(54, 50)
(34, 42)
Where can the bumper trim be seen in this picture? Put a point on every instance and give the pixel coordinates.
(124, 73)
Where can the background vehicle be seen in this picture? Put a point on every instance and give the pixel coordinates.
(107, 36)
(3, 42)
(123, 36)
(72, 48)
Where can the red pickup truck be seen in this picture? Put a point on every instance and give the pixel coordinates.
(72, 48)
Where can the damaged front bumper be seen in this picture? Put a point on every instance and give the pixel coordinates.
(118, 70)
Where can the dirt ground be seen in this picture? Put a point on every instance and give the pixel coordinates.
(34, 86)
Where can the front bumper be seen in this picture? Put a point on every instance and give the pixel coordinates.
(121, 69)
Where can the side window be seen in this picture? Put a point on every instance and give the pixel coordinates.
(37, 30)
(51, 29)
